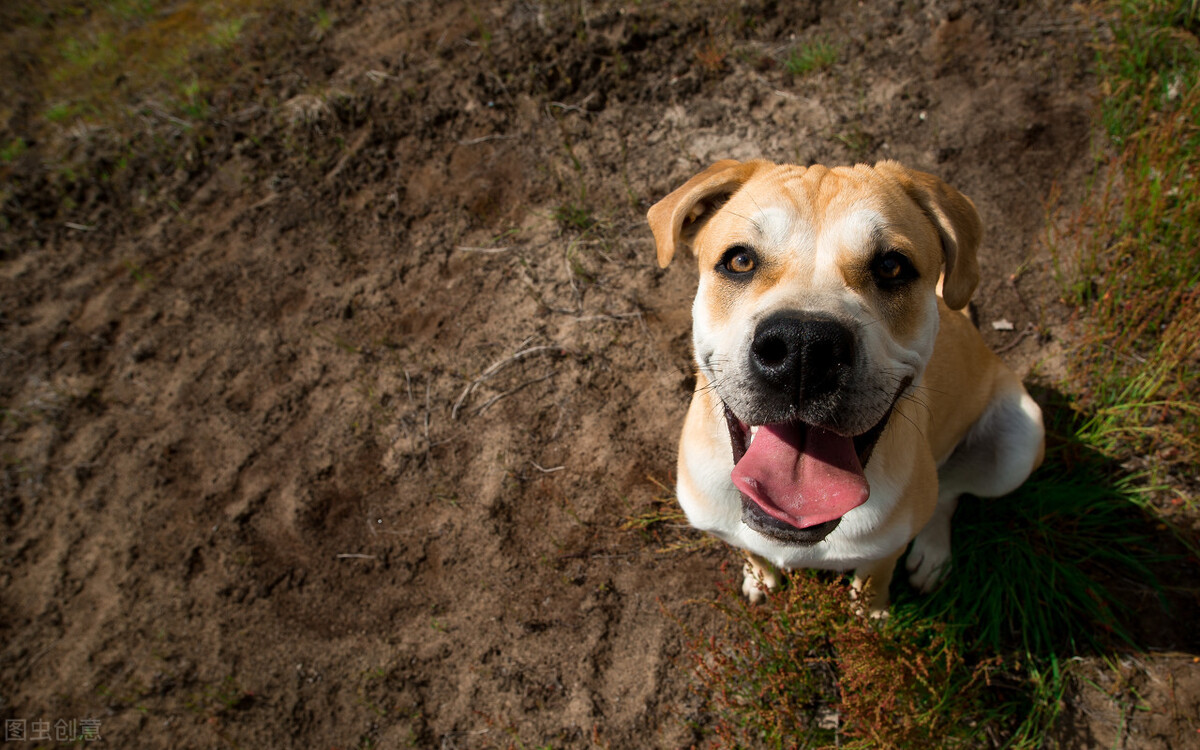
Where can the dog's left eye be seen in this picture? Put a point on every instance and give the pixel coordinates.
(892, 268)
(738, 260)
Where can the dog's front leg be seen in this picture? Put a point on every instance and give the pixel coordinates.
(869, 589)
(759, 578)
(929, 560)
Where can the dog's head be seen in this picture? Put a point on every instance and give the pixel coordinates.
(816, 312)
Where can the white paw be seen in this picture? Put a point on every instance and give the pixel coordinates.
(757, 581)
(866, 601)
(929, 559)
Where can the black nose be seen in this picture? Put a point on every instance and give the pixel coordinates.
(801, 356)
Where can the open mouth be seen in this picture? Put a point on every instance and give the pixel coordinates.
(797, 480)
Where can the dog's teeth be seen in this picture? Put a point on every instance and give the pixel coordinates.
(753, 432)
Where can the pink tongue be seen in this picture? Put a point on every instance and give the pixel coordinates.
(801, 475)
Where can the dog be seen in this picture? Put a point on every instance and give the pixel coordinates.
(844, 401)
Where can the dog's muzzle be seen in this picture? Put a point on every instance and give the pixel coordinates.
(797, 472)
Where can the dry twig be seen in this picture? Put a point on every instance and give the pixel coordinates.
(479, 409)
(496, 367)
(486, 138)
(485, 250)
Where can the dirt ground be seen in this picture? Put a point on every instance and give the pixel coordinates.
(325, 436)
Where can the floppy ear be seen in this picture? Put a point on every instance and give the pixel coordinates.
(684, 209)
(957, 223)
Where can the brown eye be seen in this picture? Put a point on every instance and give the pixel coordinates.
(741, 263)
(889, 268)
(892, 269)
(738, 261)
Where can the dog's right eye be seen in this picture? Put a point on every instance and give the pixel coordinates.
(737, 261)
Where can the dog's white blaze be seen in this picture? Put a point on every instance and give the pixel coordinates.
(854, 232)
(778, 229)
(783, 236)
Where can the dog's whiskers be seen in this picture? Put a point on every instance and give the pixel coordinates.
(910, 420)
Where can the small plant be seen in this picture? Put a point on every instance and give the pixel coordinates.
(85, 53)
(13, 150)
(485, 33)
(60, 112)
(225, 33)
(192, 101)
(133, 696)
(620, 64)
(574, 215)
(323, 21)
(811, 57)
(857, 140)
(711, 56)
(663, 523)
(140, 275)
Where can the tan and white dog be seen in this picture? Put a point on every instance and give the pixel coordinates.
(841, 406)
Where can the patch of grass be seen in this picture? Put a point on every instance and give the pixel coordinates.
(811, 57)
(1032, 570)
(1029, 569)
(803, 671)
(100, 63)
(1129, 256)
(80, 53)
(1151, 62)
(1148, 409)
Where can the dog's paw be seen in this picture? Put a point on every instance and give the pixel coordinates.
(868, 602)
(758, 581)
(929, 559)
